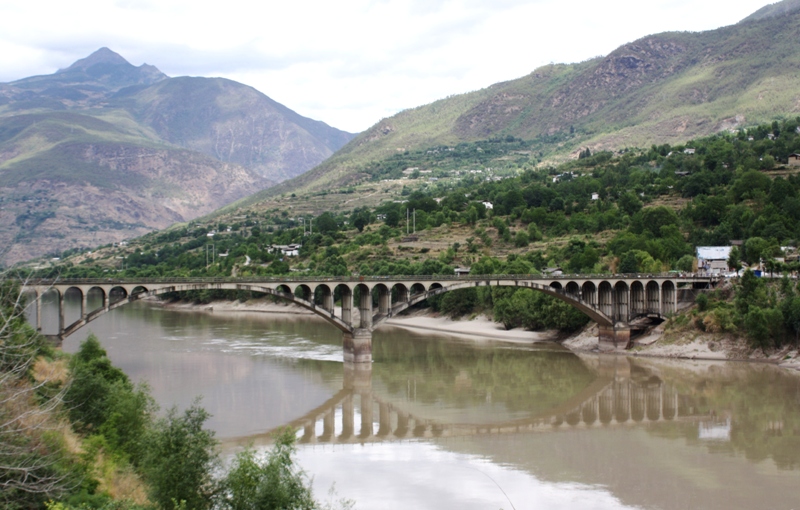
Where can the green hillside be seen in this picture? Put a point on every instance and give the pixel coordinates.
(664, 88)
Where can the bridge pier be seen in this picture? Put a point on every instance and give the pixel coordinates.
(618, 335)
(357, 346)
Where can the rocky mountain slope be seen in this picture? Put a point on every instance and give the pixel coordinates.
(104, 150)
(663, 88)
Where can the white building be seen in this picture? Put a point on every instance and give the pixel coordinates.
(712, 259)
(286, 250)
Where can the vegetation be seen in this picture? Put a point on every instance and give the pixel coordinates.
(633, 211)
(168, 463)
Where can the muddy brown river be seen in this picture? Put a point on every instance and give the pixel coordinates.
(440, 422)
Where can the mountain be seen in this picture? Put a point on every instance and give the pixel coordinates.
(103, 150)
(233, 123)
(663, 88)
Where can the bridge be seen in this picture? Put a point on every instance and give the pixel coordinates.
(612, 301)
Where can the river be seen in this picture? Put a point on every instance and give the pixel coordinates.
(441, 422)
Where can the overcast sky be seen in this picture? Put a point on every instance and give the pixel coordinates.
(349, 63)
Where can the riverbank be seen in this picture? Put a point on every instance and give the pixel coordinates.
(658, 343)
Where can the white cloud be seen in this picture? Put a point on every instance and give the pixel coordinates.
(347, 63)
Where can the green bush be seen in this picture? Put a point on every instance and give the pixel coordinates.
(180, 459)
(274, 483)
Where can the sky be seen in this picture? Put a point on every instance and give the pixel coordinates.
(349, 63)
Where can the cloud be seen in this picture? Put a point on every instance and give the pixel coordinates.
(347, 63)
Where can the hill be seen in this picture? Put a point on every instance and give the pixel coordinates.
(663, 88)
(103, 151)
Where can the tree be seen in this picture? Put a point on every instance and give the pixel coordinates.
(272, 483)
(734, 259)
(629, 263)
(34, 467)
(180, 460)
(326, 223)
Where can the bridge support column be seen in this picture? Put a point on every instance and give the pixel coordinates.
(39, 313)
(357, 346)
(327, 300)
(618, 335)
(61, 314)
(402, 295)
(384, 300)
(365, 309)
(347, 306)
(84, 305)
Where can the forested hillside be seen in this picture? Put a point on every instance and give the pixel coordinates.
(637, 210)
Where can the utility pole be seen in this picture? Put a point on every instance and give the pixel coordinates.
(406, 220)
(415, 221)
(213, 254)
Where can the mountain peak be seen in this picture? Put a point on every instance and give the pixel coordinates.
(101, 56)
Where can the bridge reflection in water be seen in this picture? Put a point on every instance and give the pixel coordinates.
(359, 414)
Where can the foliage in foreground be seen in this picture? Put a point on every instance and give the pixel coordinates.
(35, 464)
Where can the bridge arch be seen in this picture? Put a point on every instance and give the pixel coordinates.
(553, 290)
(124, 297)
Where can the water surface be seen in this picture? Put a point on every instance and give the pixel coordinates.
(442, 422)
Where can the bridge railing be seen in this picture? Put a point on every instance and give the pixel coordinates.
(357, 278)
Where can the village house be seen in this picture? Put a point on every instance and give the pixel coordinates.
(712, 259)
(462, 271)
(794, 159)
(286, 250)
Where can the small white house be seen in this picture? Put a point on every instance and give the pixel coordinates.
(286, 250)
(462, 271)
(488, 205)
(712, 259)
(595, 196)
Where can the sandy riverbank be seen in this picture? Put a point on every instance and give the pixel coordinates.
(653, 344)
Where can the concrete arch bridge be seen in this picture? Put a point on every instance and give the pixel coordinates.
(612, 301)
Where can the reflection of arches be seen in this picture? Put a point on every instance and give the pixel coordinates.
(638, 403)
(589, 412)
(605, 404)
(574, 417)
(654, 402)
